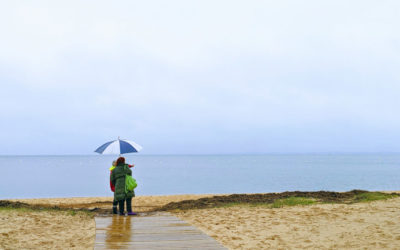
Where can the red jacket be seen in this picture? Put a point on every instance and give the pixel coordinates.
(111, 169)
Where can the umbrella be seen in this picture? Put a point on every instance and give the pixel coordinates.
(118, 147)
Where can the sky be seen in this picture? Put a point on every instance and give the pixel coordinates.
(200, 77)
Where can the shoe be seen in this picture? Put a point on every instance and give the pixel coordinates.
(122, 214)
(132, 213)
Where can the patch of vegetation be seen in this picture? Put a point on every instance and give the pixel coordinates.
(278, 199)
(24, 207)
(292, 201)
(13, 209)
(373, 196)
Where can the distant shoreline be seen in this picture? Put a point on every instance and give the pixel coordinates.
(210, 154)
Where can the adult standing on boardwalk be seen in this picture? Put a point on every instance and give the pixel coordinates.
(117, 179)
(112, 187)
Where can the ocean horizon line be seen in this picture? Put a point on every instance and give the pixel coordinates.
(208, 154)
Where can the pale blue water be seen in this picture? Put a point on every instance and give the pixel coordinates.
(82, 176)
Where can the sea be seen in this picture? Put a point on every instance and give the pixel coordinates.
(88, 175)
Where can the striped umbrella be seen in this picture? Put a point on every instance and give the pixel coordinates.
(118, 147)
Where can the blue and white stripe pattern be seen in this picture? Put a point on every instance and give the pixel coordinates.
(118, 147)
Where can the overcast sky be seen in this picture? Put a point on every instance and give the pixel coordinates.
(200, 77)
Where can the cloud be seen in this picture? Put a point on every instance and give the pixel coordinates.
(189, 73)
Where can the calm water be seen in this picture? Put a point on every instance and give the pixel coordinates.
(78, 176)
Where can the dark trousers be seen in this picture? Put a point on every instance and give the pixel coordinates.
(115, 206)
(122, 205)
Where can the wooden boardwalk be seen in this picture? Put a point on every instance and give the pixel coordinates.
(154, 231)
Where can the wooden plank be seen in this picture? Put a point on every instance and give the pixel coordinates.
(153, 231)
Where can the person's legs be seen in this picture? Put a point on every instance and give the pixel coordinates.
(115, 205)
(121, 207)
(129, 205)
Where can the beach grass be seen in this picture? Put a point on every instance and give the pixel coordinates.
(286, 202)
(373, 196)
(304, 201)
(292, 201)
(277, 200)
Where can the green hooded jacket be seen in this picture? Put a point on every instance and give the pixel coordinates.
(118, 180)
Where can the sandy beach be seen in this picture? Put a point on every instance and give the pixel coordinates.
(374, 225)
(368, 225)
(22, 229)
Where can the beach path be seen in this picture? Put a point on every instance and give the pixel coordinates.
(151, 231)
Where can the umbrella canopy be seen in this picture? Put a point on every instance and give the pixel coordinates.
(118, 147)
